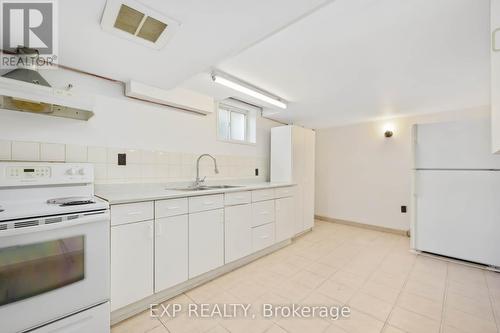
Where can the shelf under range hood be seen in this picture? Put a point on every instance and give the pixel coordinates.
(22, 96)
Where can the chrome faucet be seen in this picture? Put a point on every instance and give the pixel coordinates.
(198, 181)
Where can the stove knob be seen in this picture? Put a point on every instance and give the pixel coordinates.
(81, 172)
(71, 171)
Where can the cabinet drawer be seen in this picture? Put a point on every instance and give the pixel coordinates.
(283, 192)
(261, 195)
(172, 207)
(237, 198)
(262, 212)
(262, 236)
(134, 212)
(206, 202)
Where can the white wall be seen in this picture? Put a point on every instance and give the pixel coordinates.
(363, 177)
(141, 129)
(122, 122)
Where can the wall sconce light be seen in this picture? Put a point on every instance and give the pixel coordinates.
(388, 130)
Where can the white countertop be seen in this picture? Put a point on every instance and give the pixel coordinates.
(128, 193)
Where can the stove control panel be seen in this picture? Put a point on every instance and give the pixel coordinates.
(28, 172)
(36, 173)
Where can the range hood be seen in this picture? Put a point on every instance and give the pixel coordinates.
(24, 89)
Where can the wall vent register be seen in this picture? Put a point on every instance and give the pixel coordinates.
(134, 21)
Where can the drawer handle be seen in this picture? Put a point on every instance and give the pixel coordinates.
(174, 207)
(208, 203)
(159, 230)
(264, 237)
(264, 212)
(134, 213)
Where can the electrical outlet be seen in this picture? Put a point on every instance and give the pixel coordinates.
(122, 159)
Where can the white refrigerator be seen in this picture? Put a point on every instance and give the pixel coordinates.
(457, 192)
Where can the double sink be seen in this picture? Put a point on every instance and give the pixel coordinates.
(203, 187)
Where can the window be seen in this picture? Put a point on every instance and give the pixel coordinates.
(236, 122)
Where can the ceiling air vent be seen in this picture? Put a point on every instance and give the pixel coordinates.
(134, 21)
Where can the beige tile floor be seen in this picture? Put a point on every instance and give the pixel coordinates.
(387, 288)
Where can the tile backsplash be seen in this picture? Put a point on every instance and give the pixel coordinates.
(142, 165)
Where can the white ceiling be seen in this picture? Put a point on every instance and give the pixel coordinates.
(337, 62)
(358, 60)
(210, 31)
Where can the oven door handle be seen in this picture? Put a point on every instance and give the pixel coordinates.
(102, 217)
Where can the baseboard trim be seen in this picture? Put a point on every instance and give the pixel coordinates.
(363, 225)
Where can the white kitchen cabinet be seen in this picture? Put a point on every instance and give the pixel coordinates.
(495, 74)
(292, 160)
(308, 179)
(132, 212)
(261, 195)
(171, 251)
(238, 232)
(131, 263)
(262, 212)
(284, 192)
(206, 202)
(285, 222)
(171, 207)
(206, 241)
(263, 236)
(237, 198)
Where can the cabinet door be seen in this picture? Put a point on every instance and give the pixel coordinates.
(206, 241)
(263, 236)
(299, 209)
(285, 222)
(171, 251)
(298, 175)
(131, 263)
(308, 179)
(495, 74)
(262, 212)
(238, 232)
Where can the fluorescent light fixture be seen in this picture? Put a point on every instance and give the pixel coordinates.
(248, 90)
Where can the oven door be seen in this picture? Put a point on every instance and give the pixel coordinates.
(52, 270)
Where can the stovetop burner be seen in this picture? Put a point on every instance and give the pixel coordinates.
(72, 201)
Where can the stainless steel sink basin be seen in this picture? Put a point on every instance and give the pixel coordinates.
(222, 186)
(203, 188)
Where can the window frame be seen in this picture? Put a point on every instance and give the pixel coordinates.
(247, 112)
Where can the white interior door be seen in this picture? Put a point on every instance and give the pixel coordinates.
(458, 214)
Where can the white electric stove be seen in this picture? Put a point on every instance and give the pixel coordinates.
(54, 249)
